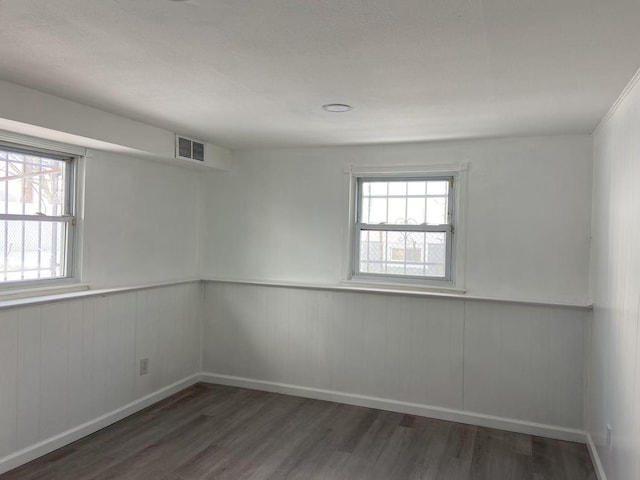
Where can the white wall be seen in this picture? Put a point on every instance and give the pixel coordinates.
(140, 221)
(614, 393)
(69, 362)
(280, 214)
(518, 362)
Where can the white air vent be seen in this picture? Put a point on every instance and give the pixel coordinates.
(189, 149)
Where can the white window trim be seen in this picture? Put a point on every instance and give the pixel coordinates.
(29, 288)
(457, 282)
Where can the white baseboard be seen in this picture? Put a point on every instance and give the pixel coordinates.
(482, 420)
(53, 443)
(595, 458)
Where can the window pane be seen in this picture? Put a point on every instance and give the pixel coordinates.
(416, 188)
(415, 211)
(438, 187)
(31, 185)
(436, 210)
(364, 210)
(398, 211)
(372, 246)
(412, 202)
(378, 188)
(416, 202)
(32, 250)
(398, 188)
(420, 254)
(377, 210)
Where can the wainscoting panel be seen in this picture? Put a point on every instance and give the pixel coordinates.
(71, 367)
(514, 361)
(70, 362)
(365, 344)
(525, 362)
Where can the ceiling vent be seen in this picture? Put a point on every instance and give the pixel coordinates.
(189, 149)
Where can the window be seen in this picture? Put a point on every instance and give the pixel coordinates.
(403, 226)
(37, 208)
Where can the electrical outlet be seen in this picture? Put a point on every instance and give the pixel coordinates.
(144, 366)
(609, 446)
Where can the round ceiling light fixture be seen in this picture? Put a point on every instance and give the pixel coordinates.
(337, 107)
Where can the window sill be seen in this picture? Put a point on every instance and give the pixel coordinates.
(73, 291)
(16, 294)
(400, 286)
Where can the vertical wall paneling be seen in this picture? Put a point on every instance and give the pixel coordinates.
(338, 380)
(614, 348)
(213, 356)
(85, 405)
(29, 348)
(120, 350)
(437, 341)
(515, 361)
(75, 416)
(68, 362)
(189, 316)
(8, 382)
(323, 340)
(99, 374)
(353, 343)
(282, 320)
(152, 322)
(525, 362)
(168, 348)
(143, 348)
(397, 346)
(54, 347)
(374, 332)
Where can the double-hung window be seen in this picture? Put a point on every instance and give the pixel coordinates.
(37, 215)
(404, 227)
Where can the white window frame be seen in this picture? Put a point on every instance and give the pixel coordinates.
(73, 156)
(454, 279)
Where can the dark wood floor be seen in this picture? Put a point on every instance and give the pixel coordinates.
(217, 432)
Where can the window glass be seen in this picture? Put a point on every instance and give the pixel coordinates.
(385, 244)
(35, 216)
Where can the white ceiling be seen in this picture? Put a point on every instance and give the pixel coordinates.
(254, 73)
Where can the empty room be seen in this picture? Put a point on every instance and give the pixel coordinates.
(319, 239)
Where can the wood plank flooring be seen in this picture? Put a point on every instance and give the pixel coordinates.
(218, 432)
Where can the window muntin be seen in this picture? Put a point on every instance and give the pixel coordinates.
(36, 215)
(404, 227)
